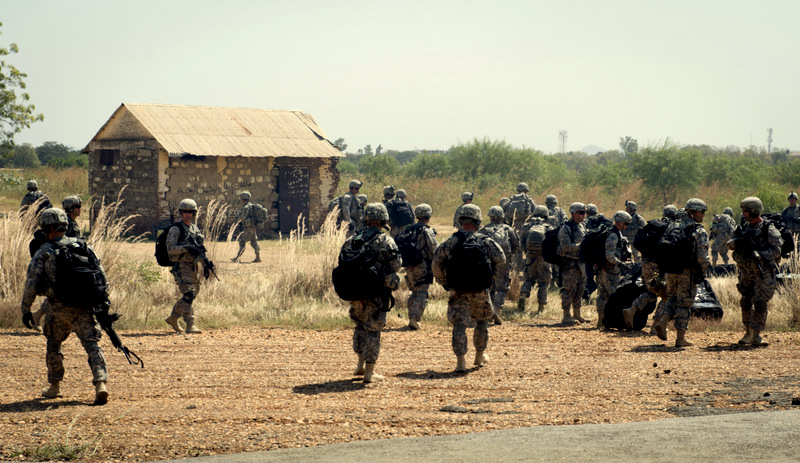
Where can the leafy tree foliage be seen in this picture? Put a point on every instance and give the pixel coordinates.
(666, 169)
(340, 144)
(15, 112)
(629, 145)
(24, 156)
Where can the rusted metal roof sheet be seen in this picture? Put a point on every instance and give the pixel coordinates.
(217, 131)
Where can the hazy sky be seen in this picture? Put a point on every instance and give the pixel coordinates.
(425, 74)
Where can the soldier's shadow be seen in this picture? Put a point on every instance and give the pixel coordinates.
(343, 385)
(431, 374)
(656, 348)
(37, 405)
(148, 335)
(25, 333)
(728, 347)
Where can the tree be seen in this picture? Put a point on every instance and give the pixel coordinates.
(378, 150)
(25, 156)
(668, 169)
(50, 150)
(15, 113)
(340, 144)
(629, 145)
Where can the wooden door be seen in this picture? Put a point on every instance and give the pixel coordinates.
(293, 191)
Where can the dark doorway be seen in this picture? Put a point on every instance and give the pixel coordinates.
(292, 197)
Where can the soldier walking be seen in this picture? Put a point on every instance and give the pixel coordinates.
(184, 243)
(507, 238)
(420, 276)
(466, 198)
(535, 270)
(467, 264)
(519, 207)
(72, 206)
(349, 210)
(573, 275)
(33, 195)
(248, 217)
(721, 231)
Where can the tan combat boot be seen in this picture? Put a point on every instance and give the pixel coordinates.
(258, 257)
(496, 319)
(53, 391)
(577, 315)
(567, 319)
(461, 364)
(172, 321)
(359, 367)
(628, 314)
(481, 358)
(413, 324)
(661, 327)
(757, 340)
(191, 329)
(370, 376)
(748, 336)
(680, 339)
(100, 393)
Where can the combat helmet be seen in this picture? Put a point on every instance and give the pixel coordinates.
(376, 211)
(401, 194)
(496, 212)
(792, 195)
(470, 212)
(752, 204)
(33, 185)
(591, 209)
(728, 211)
(362, 199)
(354, 184)
(622, 217)
(504, 201)
(696, 204)
(575, 207)
(187, 204)
(467, 196)
(523, 187)
(423, 211)
(540, 211)
(245, 195)
(670, 211)
(53, 216)
(388, 191)
(551, 200)
(70, 202)
(630, 205)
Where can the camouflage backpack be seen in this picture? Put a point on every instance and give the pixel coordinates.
(518, 208)
(535, 239)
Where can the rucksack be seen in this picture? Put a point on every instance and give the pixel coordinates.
(162, 254)
(259, 214)
(706, 304)
(648, 236)
(469, 268)
(408, 244)
(39, 238)
(333, 204)
(597, 221)
(593, 247)
(356, 278)
(80, 282)
(788, 240)
(518, 208)
(400, 212)
(534, 239)
(550, 247)
(675, 252)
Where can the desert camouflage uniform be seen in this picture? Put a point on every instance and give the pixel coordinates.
(681, 288)
(249, 233)
(420, 277)
(721, 231)
(31, 197)
(369, 315)
(461, 306)
(535, 269)
(350, 212)
(186, 269)
(73, 230)
(791, 217)
(59, 319)
(637, 223)
(757, 285)
(573, 274)
(556, 216)
(655, 288)
(608, 273)
(509, 241)
(520, 222)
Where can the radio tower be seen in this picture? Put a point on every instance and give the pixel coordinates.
(562, 141)
(769, 140)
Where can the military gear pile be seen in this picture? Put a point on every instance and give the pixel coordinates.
(357, 278)
(469, 268)
(80, 281)
(162, 254)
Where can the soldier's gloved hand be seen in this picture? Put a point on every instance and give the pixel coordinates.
(193, 250)
(27, 319)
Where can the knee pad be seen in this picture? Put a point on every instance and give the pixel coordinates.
(188, 297)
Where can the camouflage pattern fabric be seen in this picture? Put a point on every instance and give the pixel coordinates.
(681, 289)
(573, 273)
(509, 241)
(535, 270)
(608, 275)
(721, 230)
(186, 271)
(73, 230)
(457, 225)
(556, 216)
(509, 219)
(418, 276)
(31, 197)
(249, 232)
(791, 217)
(637, 223)
(351, 213)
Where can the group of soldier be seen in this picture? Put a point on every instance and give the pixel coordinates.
(512, 241)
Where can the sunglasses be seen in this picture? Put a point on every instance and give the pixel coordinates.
(580, 212)
(77, 206)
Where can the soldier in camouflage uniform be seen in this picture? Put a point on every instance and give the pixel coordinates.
(72, 206)
(388, 194)
(556, 217)
(400, 201)
(721, 231)
(637, 223)
(420, 276)
(504, 205)
(466, 197)
(791, 215)
(183, 245)
(33, 195)
(608, 273)
(519, 207)
(535, 270)
(573, 275)
(461, 305)
(369, 315)
(670, 212)
(349, 211)
(509, 241)
(247, 217)
(681, 287)
(756, 247)
(60, 319)
(593, 221)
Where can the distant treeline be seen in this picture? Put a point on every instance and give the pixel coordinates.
(49, 154)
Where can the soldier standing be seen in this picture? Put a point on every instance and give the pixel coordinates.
(369, 315)
(520, 206)
(420, 276)
(756, 247)
(682, 287)
(72, 206)
(573, 275)
(33, 195)
(535, 270)
(183, 244)
(388, 195)
(791, 215)
(61, 319)
(609, 272)
(349, 211)
(721, 231)
(593, 221)
(637, 223)
(507, 238)
(466, 197)
(248, 217)
(556, 217)
(457, 276)
(401, 213)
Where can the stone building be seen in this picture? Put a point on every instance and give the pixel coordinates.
(164, 153)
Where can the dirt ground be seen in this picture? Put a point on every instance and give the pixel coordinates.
(249, 389)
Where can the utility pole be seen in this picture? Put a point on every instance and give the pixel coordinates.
(769, 140)
(562, 141)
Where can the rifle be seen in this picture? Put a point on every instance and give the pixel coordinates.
(208, 265)
(106, 320)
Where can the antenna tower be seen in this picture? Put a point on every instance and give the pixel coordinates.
(562, 141)
(769, 140)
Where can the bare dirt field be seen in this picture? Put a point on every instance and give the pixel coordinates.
(248, 389)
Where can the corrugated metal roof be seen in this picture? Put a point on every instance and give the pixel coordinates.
(218, 131)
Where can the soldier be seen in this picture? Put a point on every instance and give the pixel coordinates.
(401, 213)
(508, 239)
(33, 195)
(573, 275)
(466, 302)
(184, 243)
(520, 206)
(681, 287)
(609, 272)
(756, 247)
(637, 223)
(388, 194)
(556, 216)
(420, 276)
(466, 197)
(349, 212)
(362, 203)
(535, 270)
(369, 315)
(593, 221)
(61, 319)
(791, 215)
(72, 206)
(247, 216)
(670, 213)
(721, 231)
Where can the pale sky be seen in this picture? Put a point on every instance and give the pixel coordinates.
(425, 74)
